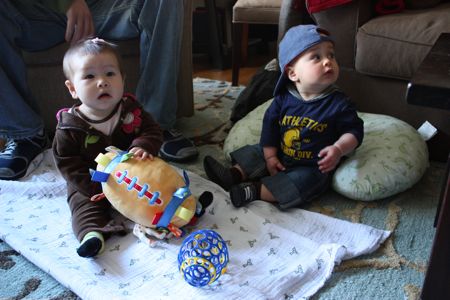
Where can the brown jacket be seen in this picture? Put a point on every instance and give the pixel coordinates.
(77, 144)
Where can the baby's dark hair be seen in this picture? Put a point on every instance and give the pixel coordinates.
(90, 46)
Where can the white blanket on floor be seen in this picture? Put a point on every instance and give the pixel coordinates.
(273, 254)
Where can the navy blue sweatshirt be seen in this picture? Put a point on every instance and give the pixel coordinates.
(300, 129)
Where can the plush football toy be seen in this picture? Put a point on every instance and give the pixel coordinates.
(151, 193)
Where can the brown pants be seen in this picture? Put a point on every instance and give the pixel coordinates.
(90, 216)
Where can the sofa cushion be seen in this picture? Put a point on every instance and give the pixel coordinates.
(394, 45)
(256, 11)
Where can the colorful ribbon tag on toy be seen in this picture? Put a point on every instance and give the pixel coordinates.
(178, 197)
(114, 150)
(99, 176)
(115, 161)
(182, 193)
(126, 156)
(108, 164)
(186, 178)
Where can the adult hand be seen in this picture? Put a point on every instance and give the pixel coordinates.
(79, 22)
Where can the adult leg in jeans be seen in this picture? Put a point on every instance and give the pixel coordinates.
(21, 125)
(35, 27)
(159, 24)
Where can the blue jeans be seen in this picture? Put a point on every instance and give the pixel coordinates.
(158, 23)
(295, 186)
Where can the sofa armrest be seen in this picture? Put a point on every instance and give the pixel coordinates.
(343, 22)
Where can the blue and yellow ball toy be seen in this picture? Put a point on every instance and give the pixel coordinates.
(203, 257)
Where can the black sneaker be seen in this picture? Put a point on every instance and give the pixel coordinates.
(176, 147)
(218, 173)
(17, 155)
(243, 193)
(205, 200)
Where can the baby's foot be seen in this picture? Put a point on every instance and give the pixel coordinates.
(91, 245)
(217, 173)
(244, 193)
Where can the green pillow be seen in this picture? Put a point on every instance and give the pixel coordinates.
(391, 159)
(246, 131)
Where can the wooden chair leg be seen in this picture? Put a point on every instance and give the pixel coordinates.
(215, 40)
(236, 53)
(244, 45)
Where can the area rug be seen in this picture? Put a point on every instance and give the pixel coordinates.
(395, 271)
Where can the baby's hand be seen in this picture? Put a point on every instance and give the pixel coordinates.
(274, 165)
(330, 157)
(140, 153)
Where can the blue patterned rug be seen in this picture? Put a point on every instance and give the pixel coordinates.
(395, 271)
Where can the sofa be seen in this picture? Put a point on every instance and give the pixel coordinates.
(46, 78)
(379, 54)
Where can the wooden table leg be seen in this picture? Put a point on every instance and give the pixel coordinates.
(437, 278)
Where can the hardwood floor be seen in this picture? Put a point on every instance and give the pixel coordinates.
(202, 68)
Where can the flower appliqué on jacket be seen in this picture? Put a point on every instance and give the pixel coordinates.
(132, 121)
